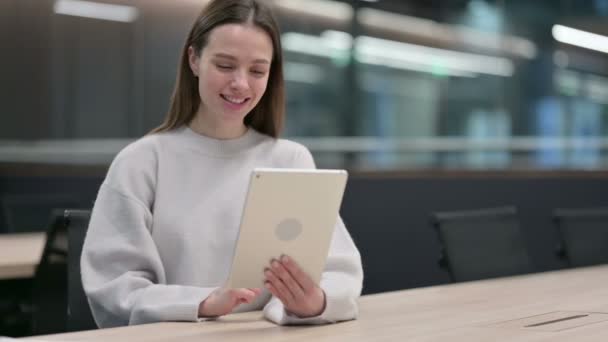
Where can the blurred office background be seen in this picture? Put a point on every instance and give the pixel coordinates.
(372, 85)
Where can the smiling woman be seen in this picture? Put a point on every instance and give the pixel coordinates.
(166, 219)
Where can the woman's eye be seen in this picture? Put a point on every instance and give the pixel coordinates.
(258, 72)
(224, 67)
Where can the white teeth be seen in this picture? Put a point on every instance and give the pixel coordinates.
(234, 100)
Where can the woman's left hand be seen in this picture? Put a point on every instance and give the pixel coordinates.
(299, 294)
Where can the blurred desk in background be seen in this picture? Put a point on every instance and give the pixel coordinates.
(20, 254)
(568, 305)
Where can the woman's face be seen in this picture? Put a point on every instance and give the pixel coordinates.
(232, 71)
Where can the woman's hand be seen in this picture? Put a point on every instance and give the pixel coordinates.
(222, 301)
(299, 294)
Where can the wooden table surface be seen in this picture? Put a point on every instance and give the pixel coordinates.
(508, 309)
(20, 254)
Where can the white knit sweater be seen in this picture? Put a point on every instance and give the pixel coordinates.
(164, 227)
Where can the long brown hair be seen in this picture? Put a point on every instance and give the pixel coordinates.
(267, 116)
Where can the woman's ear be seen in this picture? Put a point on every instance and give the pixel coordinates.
(193, 60)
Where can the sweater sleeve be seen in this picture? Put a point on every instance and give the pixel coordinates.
(341, 280)
(122, 272)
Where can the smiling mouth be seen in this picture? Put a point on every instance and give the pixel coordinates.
(235, 100)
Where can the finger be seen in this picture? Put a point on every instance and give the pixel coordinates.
(273, 291)
(278, 294)
(289, 281)
(245, 292)
(298, 274)
(243, 295)
(284, 294)
(256, 290)
(277, 283)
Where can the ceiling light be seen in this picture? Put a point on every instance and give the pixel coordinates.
(333, 10)
(580, 38)
(337, 45)
(447, 33)
(437, 59)
(96, 10)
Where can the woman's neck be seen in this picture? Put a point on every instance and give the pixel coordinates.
(216, 130)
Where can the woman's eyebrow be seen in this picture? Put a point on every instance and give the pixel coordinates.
(224, 55)
(227, 56)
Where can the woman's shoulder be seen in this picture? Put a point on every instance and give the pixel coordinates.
(133, 171)
(290, 146)
(143, 154)
(142, 148)
(279, 145)
(289, 153)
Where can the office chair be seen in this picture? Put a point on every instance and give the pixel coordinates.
(49, 289)
(30, 212)
(14, 307)
(79, 312)
(59, 303)
(479, 244)
(583, 235)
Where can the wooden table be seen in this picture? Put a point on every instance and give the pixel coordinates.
(491, 310)
(20, 254)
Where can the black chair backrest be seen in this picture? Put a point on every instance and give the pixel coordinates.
(79, 312)
(49, 287)
(583, 234)
(30, 212)
(479, 244)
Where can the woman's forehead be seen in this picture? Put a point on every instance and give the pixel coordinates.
(240, 41)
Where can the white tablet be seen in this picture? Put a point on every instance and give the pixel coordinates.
(287, 211)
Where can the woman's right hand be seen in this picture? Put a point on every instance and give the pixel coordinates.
(222, 301)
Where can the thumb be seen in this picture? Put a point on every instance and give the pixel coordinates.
(256, 290)
(244, 295)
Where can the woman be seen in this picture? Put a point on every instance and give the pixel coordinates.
(166, 218)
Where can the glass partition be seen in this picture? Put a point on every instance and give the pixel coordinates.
(371, 85)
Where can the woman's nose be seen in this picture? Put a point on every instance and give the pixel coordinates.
(239, 81)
